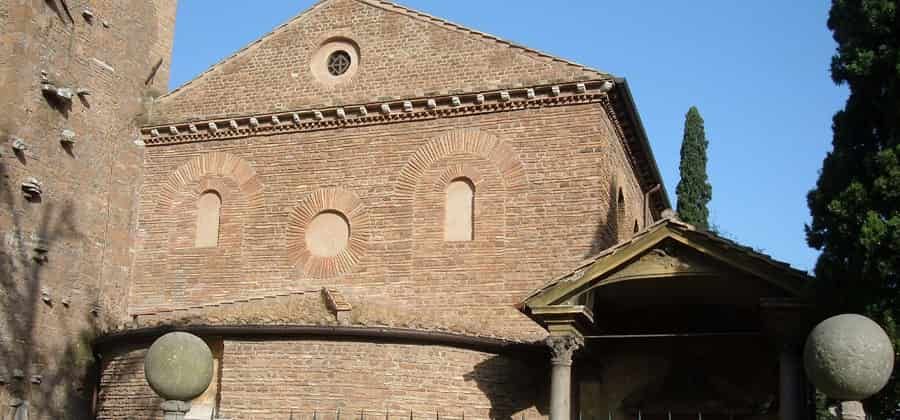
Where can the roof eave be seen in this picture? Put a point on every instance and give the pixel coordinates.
(631, 107)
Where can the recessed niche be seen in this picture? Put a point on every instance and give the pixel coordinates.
(459, 210)
(209, 208)
(327, 234)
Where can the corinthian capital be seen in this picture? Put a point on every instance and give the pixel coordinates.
(562, 347)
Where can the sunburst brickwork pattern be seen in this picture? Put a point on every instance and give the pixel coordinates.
(330, 199)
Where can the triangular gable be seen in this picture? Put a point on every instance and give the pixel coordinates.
(402, 54)
(641, 257)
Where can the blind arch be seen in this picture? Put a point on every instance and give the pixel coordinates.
(209, 209)
(621, 216)
(459, 210)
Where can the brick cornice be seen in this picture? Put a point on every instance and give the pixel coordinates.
(375, 113)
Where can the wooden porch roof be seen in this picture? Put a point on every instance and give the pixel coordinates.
(645, 256)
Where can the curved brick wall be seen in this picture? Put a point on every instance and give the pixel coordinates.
(266, 379)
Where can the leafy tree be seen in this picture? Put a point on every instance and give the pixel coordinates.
(855, 205)
(694, 191)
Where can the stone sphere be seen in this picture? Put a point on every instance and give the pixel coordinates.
(179, 366)
(848, 357)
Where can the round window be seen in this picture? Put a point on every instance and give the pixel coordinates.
(338, 63)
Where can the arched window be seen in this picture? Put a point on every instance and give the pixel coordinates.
(621, 224)
(209, 208)
(636, 227)
(459, 210)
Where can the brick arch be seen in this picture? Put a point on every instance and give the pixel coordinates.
(475, 142)
(458, 171)
(213, 164)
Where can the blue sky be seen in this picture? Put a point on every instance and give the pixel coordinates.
(758, 72)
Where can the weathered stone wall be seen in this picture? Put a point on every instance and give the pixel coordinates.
(543, 180)
(266, 379)
(69, 253)
(400, 55)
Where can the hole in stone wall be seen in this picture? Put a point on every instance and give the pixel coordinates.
(328, 234)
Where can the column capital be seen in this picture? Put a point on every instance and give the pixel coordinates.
(562, 348)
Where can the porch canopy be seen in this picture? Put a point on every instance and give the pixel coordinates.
(670, 281)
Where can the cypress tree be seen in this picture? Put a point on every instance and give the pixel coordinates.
(694, 191)
(855, 205)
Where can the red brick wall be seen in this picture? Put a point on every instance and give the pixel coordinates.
(87, 212)
(268, 379)
(400, 57)
(123, 392)
(542, 202)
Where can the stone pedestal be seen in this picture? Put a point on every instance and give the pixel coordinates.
(562, 348)
(175, 410)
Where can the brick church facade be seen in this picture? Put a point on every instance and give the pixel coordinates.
(371, 211)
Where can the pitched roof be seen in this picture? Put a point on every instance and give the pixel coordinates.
(739, 256)
(393, 7)
(403, 53)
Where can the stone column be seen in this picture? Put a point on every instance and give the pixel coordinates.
(791, 382)
(175, 410)
(562, 347)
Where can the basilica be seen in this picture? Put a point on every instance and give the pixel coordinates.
(374, 212)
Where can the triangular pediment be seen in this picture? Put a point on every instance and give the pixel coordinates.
(399, 53)
(665, 261)
(670, 259)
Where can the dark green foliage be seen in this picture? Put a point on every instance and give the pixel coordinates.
(694, 191)
(856, 203)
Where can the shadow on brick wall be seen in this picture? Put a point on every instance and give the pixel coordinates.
(606, 233)
(46, 362)
(514, 386)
